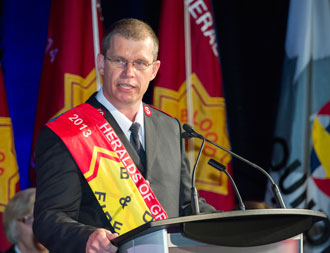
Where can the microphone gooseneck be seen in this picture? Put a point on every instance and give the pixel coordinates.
(221, 167)
(194, 193)
(275, 189)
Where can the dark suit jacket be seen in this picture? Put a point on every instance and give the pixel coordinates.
(66, 211)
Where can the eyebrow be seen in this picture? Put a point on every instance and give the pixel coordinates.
(138, 59)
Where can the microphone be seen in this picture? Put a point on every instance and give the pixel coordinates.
(191, 133)
(221, 167)
(194, 193)
(186, 135)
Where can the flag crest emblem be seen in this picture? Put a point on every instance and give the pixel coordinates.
(320, 160)
(214, 128)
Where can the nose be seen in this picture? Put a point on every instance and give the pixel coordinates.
(129, 70)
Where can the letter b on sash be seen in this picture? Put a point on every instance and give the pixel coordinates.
(123, 173)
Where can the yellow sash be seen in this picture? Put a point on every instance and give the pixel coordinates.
(125, 197)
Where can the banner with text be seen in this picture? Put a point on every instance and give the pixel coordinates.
(9, 176)
(209, 112)
(69, 74)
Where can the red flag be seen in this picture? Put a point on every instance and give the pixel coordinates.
(69, 74)
(207, 110)
(9, 176)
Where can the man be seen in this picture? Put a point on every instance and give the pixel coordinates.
(17, 221)
(83, 157)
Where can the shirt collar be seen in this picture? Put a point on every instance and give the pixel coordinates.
(16, 249)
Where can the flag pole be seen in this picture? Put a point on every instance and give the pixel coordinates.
(190, 106)
(96, 40)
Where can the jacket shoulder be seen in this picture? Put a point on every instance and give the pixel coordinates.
(157, 110)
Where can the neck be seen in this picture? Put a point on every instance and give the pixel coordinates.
(129, 111)
(129, 114)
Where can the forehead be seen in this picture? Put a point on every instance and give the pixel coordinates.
(125, 47)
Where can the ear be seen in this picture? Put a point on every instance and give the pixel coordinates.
(155, 68)
(100, 63)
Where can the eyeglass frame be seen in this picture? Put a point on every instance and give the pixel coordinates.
(27, 219)
(127, 62)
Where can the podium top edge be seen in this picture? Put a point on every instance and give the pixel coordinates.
(239, 213)
(236, 215)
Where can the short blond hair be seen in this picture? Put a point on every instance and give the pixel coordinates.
(20, 205)
(131, 28)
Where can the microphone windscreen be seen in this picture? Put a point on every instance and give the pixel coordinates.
(217, 165)
(186, 135)
(187, 127)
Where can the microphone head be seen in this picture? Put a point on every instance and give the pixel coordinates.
(217, 165)
(187, 128)
(186, 135)
(192, 132)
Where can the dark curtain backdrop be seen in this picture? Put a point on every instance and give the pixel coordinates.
(251, 36)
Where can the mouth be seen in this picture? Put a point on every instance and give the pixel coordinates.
(126, 86)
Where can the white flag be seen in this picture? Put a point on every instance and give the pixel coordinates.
(301, 156)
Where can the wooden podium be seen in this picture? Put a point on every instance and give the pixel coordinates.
(225, 231)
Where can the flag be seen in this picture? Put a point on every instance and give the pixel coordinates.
(9, 176)
(301, 154)
(202, 90)
(69, 75)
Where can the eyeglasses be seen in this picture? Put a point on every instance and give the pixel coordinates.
(27, 219)
(122, 63)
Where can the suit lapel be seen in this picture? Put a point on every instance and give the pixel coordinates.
(151, 140)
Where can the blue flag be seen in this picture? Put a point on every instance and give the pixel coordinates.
(301, 154)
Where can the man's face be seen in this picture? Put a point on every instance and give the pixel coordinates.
(125, 87)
